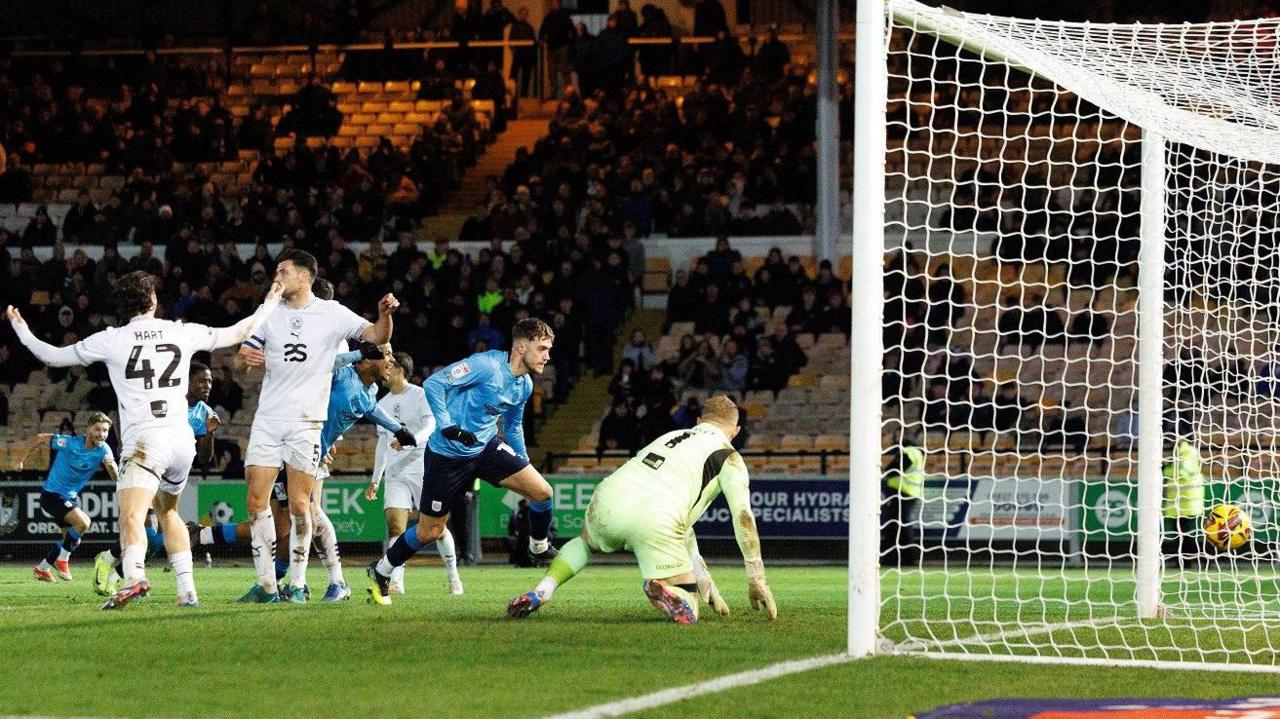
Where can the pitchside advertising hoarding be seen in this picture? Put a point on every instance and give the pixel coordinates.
(958, 511)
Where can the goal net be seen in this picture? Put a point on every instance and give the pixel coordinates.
(1082, 297)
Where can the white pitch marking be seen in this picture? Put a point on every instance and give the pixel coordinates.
(711, 686)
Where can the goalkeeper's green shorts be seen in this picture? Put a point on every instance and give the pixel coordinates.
(620, 518)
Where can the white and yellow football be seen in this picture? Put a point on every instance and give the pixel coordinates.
(1228, 527)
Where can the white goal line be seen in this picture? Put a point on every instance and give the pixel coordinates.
(711, 686)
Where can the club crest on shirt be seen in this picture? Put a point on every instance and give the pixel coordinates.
(460, 370)
(61, 442)
(295, 324)
(395, 410)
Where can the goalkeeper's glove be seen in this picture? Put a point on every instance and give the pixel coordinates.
(458, 434)
(369, 351)
(405, 437)
(707, 590)
(758, 589)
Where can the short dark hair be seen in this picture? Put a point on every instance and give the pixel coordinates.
(405, 361)
(322, 288)
(301, 259)
(531, 328)
(132, 294)
(198, 367)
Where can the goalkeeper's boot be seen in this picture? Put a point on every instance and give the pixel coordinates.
(523, 605)
(337, 592)
(258, 595)
(379, 587)
(63, 568)
(43, 575)
(543, 558)
(677, 607)
(103, 568)
(455, 586)
(137, 590)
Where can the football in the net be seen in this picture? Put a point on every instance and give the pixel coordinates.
(1227, 527)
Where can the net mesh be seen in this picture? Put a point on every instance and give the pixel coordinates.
(1013, 184)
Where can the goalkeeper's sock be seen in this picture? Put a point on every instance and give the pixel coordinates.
(405, 546)
(572, 558)
(540, 520)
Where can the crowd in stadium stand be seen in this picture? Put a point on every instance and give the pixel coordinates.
(729, 349)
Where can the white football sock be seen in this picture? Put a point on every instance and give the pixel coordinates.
(64, 555)
(206, 536)
(300, 549)
(397, 576)
(448, 553)
(384, 566)
(546, 588)
(538, 546)
(262, 530)
(132, 562)
(184, 574)
(44, 564)
(326, 540)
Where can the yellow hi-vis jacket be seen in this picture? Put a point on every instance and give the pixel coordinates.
(1184, 482)
(910, 482)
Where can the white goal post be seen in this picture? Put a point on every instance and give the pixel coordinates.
(1078, 324)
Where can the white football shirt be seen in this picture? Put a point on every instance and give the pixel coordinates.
(410, 408)
(148, 360)
(299, 345)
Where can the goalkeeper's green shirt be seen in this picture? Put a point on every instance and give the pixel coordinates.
(682, 471)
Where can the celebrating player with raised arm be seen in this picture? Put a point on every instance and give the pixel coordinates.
(77, 461)
(649, 506)
(296, 346)
(467, 398)
(402, 466)
(148, 361)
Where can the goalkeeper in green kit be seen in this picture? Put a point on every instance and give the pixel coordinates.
(649, 506)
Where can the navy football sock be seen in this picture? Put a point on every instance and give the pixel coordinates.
(404, 547)
(540, 518)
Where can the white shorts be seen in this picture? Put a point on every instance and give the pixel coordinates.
(404, 490)
(156, 462)
(275, 444)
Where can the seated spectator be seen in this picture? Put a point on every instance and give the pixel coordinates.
(809, 316)
(701, 369)
(485, 332)
(733, 369)
(620, 430)
(687, 414)
(766, 372)
(71, 393)
(640, 351)
(627, 385)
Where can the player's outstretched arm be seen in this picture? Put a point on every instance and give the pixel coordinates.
(428, 424)
(45, 352)
(734, 483)
(380, 455)
(109, 464)
(454, 377)
(32, 445)
(244, 329)
(379, 332)
(708, 592)
(513, 429)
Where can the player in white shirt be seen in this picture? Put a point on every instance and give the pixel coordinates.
(148, 360)
(403, 466)
(296, 346)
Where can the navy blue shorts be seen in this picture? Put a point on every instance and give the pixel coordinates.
(56, 506)
(446, 479)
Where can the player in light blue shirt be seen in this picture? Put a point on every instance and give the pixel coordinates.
(468, 398)
(76, 460)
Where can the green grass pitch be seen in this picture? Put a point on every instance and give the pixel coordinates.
(438, 655)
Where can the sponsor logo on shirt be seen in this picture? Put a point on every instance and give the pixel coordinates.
(460, 370)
